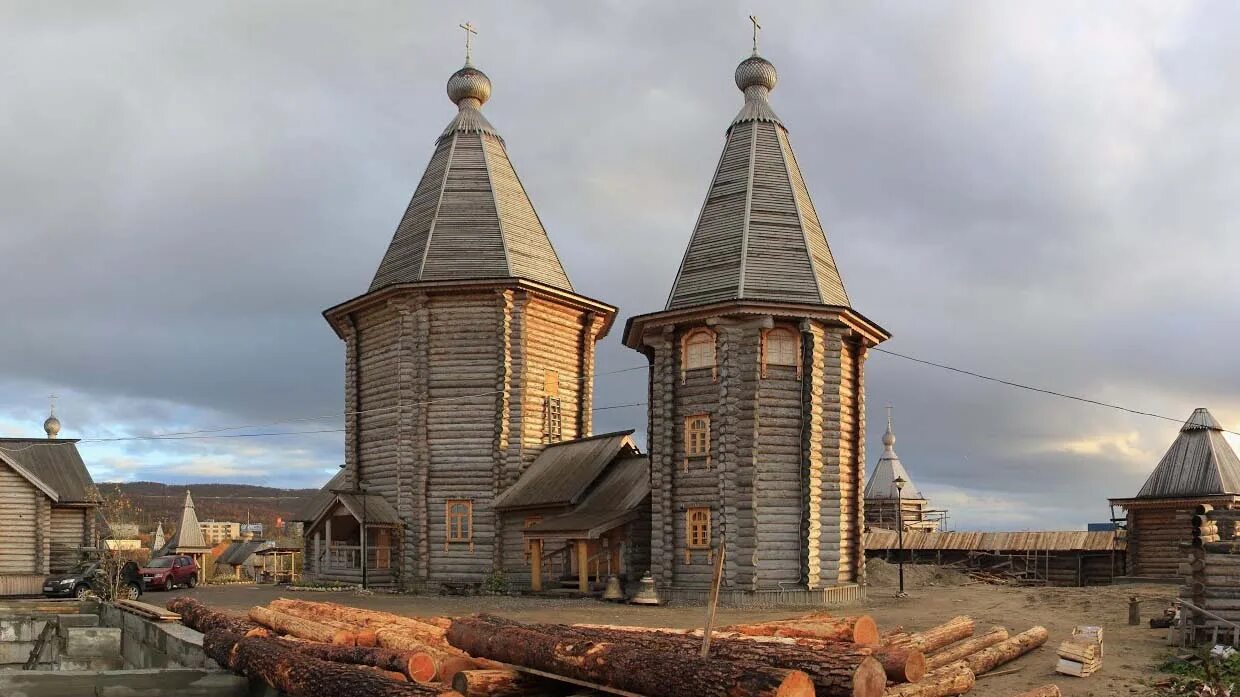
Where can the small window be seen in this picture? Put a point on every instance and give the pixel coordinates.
(699, 350)
(697, 528)
(553, 420)
(459, 514)
(781, 348)
(697, 435)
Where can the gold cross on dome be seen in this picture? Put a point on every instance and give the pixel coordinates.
(470, 33)
(756, 28)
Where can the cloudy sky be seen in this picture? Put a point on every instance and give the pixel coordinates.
(1043, 192)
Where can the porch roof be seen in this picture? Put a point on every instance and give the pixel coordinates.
(616, 499)
(563, 472)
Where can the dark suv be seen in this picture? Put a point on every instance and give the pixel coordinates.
(169, 572)
(75, 582)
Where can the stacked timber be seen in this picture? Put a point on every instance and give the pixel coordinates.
(1079, 657)
(1211, 571)
(968, 659)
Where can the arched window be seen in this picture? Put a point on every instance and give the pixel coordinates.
(699, 349)
(459, 517)
(781, 346)
(697, 528)
(697, 435)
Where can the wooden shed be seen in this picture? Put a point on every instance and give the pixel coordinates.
(1200, 467)
(48, 511)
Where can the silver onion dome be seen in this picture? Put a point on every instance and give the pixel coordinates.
(756, 71)
(51, 426)
(470, 84)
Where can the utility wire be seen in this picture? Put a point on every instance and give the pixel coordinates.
(1041, 390)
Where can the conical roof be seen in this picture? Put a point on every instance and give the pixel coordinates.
(882, 481)
(158, 541)
(188, 536)
(470, 217)
(1200, 462)
(758, 235)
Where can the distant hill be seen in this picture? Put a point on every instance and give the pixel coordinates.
(154, 502)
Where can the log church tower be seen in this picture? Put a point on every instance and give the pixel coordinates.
(757, 409)
(469, 353)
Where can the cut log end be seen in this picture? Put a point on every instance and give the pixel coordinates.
(798, 684)
(865, 631)
(869, 680)
(915, 667)
(366, 637)
(344, 638)
(422, 667)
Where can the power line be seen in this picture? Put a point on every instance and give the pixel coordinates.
(1041, 390)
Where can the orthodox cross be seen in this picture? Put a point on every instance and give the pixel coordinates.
(888, 417)
(52, 399)
(470, 33)
(756, 28)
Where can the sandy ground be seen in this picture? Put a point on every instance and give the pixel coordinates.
(1132, 653)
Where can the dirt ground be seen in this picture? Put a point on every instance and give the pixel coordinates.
(1132, 653)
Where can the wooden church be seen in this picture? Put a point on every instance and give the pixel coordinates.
(1200, 467)
(757, 383)
(469, 376)
(891, 497)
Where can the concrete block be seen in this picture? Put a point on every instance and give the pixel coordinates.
(92, 664)
(129, 683)
(16, 652)
(132, 649)
(133, 623)
(88, 642)
(64, 622)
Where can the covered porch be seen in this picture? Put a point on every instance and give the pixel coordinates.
(353, 540)
(580, 550)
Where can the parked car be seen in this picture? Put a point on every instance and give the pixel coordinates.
(75, 583)
(171, 571)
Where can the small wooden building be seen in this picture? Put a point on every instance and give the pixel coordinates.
(347, 530)
(579, 514)
(48, 509)
(1200, 467)
(188, 538)
(886, 505)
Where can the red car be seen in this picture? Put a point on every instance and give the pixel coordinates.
(169, 572)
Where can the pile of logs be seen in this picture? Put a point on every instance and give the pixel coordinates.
(1211, 571)
(317, 649)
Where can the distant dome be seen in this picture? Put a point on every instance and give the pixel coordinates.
(469, 83)
(756, 71)
(889, 438)
(51, 426)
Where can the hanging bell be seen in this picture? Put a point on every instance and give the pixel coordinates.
(614, 591)
(646, 593)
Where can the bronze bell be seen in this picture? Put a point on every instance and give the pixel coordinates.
(646, 594)
(614, 590)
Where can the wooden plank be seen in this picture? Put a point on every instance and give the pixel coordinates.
(148, 611)
(571, 681)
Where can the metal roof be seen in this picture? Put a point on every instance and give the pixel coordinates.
(562, 472)
(1035, 541)
(470, 216)
(758, 235)
(882, 481)
(616, 498)
(313, 506)
(238, 552)
(56, 463)
(1200, 462)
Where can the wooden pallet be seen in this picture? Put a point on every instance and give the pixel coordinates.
(147, 611)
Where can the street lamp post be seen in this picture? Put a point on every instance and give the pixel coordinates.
(899, 483)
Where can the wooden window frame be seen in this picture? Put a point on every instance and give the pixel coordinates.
(688, 340)
(465, 532)
(698, 532)
(796, 351)
(689, 432)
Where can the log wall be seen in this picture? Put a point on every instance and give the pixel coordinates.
(784, 476)
(446, 394)
(25, 514)
(68, 535)
(1154, 536)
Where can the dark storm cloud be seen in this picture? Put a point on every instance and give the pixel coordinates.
(1041, 192)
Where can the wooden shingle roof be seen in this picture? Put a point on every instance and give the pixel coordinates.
(1200, 462)
(882, 482)
(758, 235)
(56, 463)
(563, 472)
(470, 216)
(1029, 541)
